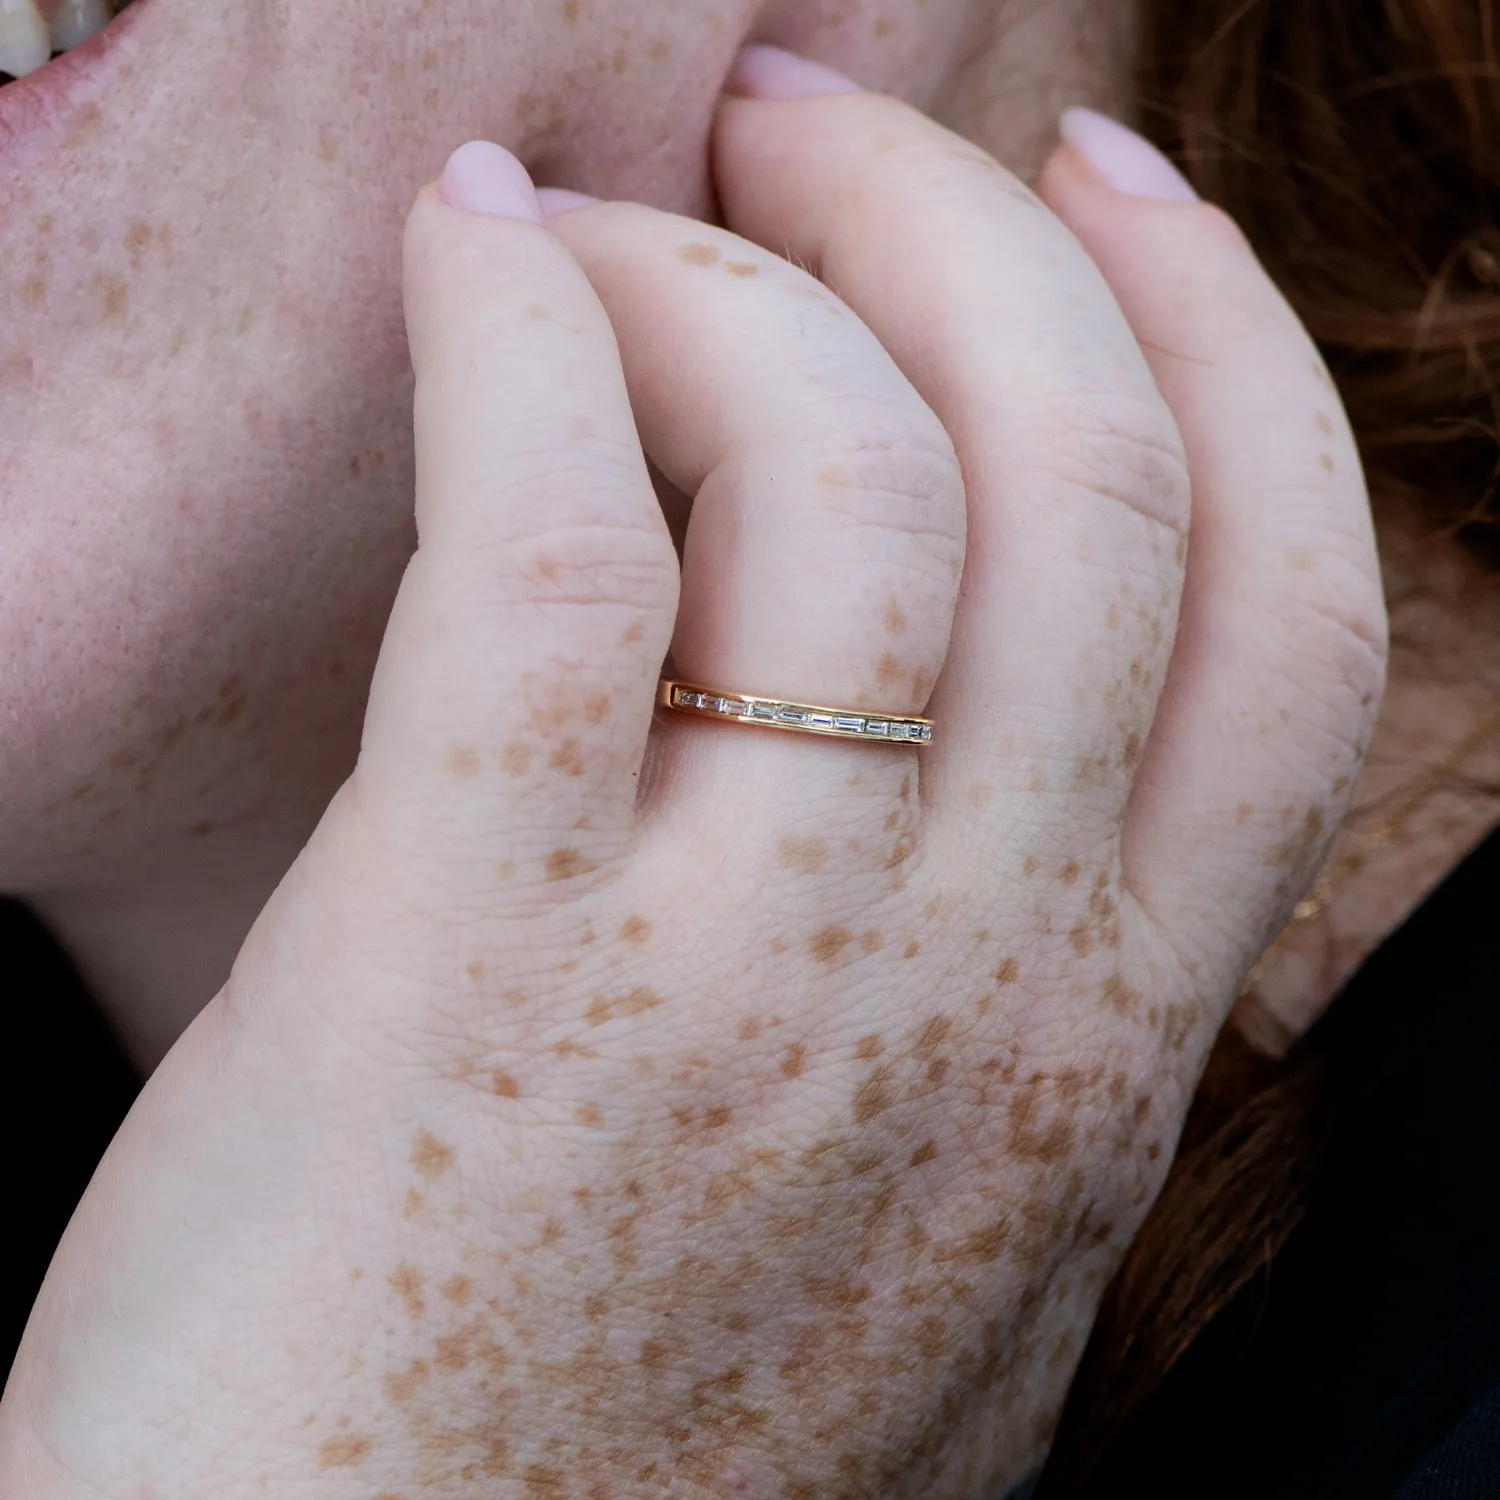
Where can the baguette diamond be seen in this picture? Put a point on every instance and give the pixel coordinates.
(800, 718)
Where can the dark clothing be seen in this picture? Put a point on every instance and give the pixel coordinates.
(1366, 1362)
(1364, 1366)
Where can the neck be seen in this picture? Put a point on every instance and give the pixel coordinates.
(155, 951)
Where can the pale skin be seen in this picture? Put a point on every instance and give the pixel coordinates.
(522, 1071)
(605, 1105)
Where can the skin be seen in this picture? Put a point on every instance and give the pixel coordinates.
(604, 1105)
(253, 527)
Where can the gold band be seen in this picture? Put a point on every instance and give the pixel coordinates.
(800, 718)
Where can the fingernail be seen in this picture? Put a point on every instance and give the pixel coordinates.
(1126, 162)
(769, 73)
(557, 201)
(483, 178)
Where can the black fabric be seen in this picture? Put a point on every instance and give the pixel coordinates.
(1366, 1362)
(65, 1087)
(1366, 1366)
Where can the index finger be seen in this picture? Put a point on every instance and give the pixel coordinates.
(515, 689)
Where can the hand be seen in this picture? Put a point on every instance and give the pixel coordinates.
(618, 1104)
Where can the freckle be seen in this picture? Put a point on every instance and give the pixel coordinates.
(894, 618)
(1119, 996)
(924, 1154)
(633, 633)
(503, 1085)
(871, 942)
(342, 1452)
(870, 1046)
(1301, 559)
(567, 757)
(463, 762)
(515, 758)
(884, 27)
(1153, 1150)
(937, 1070)
(887, 671)
(1244, 812)
(408, 1286)
(805, 856)
(1325, 424)
(567, 864)
(589, 1115)
(1132, 753)
(698, 255)
(893, 820)
(1082, 940)
(905, 790)
(1037, 782)
(778, 945)
(356, 1275)
(792, 1061)
(430, 1156)
(829, 943)
(570, 11)
(1313, 824)
(456, 1290)
(413, 1204)
(113, 296)
(34, 291)
(1112, 617)
(912, 949)
(1327, 463)
(749, 1029)
(596, 709)
(932, 1036)
(744, 269)
(873, 1096)
(1070, 872)
(401, 1388)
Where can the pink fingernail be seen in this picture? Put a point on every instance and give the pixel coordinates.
(557, 201)
(769, 73)
(1127, 162)
(483, 178)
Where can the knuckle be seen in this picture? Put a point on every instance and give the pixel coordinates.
(1337, 636)
(1118, 447)
(589, 563)
(904, 478)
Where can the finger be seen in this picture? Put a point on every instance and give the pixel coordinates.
(1280, 658)
(826, 541)
(514, 692)
(1076, 485)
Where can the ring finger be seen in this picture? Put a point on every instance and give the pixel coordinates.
(823, 557)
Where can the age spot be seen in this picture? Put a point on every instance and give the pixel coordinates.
(457, 1289)
(503, 1085)
(636, 930)
(698, 255)
(924, 1154)
(912, 949)
(792, 1060)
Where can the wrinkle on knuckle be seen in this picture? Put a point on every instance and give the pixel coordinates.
(1119, 448)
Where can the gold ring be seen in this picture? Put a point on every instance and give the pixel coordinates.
(800, 718)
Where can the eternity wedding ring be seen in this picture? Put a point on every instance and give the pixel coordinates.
(800, 718)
